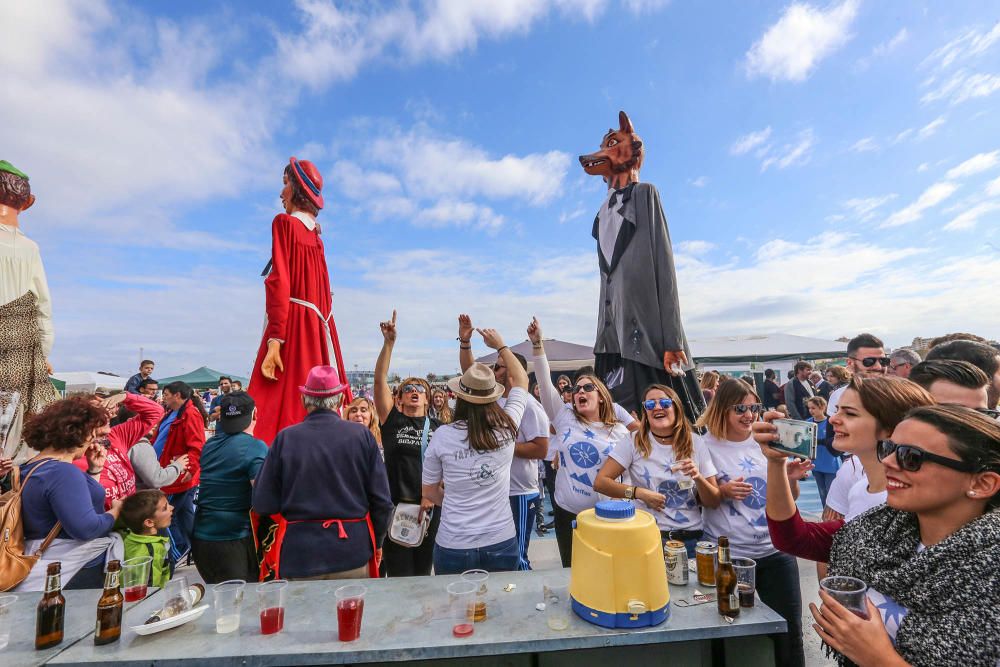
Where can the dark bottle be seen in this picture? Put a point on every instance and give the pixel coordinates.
(725, 581)
(110, 606)
(51, 610)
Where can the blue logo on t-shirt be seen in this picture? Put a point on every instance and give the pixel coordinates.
(584, 454)
(676, 498)
(758, 497)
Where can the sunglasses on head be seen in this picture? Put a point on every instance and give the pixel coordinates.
(419, 388)
(911, 457)
(742, 408)
(586, 386)
(989, 412)
(653, 402)
(868, 362)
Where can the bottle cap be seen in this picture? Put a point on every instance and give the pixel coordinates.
(615, 509)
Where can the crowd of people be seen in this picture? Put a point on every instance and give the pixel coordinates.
(907, 465)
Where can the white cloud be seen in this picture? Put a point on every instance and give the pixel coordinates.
(791, 154)
(864, 208)
(695, 247)
(699, 182)
(974, 165)
(804, 35)
(642, 6)
(866, 145)
(748, 142)
(923, 167)
(969, 218)
(459, 213)
(973, 43)
(902, 136)
(963, 86)
(890, 45)
(993, 187)
(930, 198)
(930, 128)
(360, 183)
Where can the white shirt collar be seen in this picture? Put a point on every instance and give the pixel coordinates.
(306, 219)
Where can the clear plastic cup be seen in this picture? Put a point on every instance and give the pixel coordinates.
(746, 580)
(6, 611)
(135, 578)
(555, 589)
(462, 606)
(350, 610)
(848, 591)
(480, 578)
(684, 482)
(228, 599)
(271, 603)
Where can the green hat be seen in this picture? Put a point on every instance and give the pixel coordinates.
(8, 167)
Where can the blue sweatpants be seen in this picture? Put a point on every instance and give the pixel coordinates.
(523, 508)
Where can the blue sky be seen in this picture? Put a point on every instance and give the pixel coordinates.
(825, 168)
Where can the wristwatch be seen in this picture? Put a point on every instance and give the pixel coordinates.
(629, 492)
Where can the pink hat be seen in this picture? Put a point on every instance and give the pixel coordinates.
(309, 179)
(323, 381)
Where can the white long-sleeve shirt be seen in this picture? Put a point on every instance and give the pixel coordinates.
(21, 271)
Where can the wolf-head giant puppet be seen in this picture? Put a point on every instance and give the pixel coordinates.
(640, 338)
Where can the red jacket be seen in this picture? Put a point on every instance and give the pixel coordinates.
(186, 436)
(118, 478)
(811, 540)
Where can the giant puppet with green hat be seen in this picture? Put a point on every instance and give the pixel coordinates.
(25, 317)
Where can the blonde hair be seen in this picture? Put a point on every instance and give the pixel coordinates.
(818, 401)
(372, 416)
(841, 373)
(729, 393)
(710, 380)
(683, 442)
(444, 415)
(606, 407)
(415, 380)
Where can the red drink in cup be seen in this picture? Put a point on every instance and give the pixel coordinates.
(135, 593)
(271, 602)
(272, 620)
(135, 578)
(350, 609)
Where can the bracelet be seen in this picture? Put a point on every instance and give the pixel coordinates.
(537, 346)
(505, 347)
(463, 340)
(465, 347)
(94, 472)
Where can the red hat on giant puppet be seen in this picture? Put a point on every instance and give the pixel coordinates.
(309, 179)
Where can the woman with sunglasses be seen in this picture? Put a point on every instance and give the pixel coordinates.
(929, 556)
(406, 429)
(662, 459)
(742, 476)
(586, 432)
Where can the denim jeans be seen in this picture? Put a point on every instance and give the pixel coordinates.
(823, 482)
(500, 557)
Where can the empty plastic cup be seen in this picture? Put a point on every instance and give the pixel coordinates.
(848, 591)
(462, 606)
(555, 590)
(228, 599)
(6, 611)
(271, 602)
(135, 578)
(350, 609)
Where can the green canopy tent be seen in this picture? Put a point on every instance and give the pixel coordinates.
(57, 383)
(202, 378)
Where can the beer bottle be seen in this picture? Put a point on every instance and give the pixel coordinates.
(110, 606)
(51, 610)
(725, 581)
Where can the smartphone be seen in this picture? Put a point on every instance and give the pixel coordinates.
(795, 438)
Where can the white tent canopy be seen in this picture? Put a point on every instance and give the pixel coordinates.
(562, 356)
(764, 347)
(89, 381)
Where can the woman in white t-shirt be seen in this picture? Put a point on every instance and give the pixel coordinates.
(741, 473)
(659, 458)
(471, 456)
(586, 431)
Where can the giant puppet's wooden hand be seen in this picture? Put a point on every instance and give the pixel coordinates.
(272, 360)
(674, 361)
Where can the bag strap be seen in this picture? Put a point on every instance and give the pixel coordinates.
(423, 437)
(56, 528)
(30, 473)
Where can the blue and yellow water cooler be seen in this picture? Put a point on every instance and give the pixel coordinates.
(618, 579)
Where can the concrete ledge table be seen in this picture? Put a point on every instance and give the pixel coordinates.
(407, 620)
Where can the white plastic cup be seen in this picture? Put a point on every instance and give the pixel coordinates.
(6, 611)
(555, 589)
(228, 601)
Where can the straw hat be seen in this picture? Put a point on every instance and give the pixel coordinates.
(477, 385)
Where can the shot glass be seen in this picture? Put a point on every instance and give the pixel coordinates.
(746, 580)
(848, 591)
(684, 482)
(6, 612)
(271, 602)
(462, 607)
(228, 601)
(480, 578)
(135, 578)
(555, 589)
(350, 609)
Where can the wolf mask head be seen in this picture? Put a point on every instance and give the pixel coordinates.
(620, 158)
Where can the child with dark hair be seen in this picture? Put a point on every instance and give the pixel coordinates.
(145, 514)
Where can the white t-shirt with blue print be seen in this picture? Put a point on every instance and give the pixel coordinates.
(743, 521)
(682, 511)
(581, 450)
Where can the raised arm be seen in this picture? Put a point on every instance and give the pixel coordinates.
(780, 504)
(515, 372)
(465, 358)
(547, 392)
(383, 395)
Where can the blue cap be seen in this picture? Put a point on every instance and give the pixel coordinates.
(615, 509)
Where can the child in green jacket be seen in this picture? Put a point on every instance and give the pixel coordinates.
(145, 514)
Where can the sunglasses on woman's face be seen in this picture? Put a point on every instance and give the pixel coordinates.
(910, 457)
(653, 402)
(868, 362)
(419, 388)
(755, 408)
(587, 386)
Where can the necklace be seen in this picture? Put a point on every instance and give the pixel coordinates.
(661, 437)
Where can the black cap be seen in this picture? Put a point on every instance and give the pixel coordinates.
(235, 411)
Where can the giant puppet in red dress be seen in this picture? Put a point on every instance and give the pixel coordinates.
(299, 333)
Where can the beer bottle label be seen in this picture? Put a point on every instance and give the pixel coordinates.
(734, 601)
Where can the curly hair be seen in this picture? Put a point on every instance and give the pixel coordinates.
(64, 425)
(15, 191)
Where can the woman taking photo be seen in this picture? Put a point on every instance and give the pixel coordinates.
(586, 431)
(406, 429)
(58, 492)
(929, 556)
(477, 528)
(742, 474)
(662, 460)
